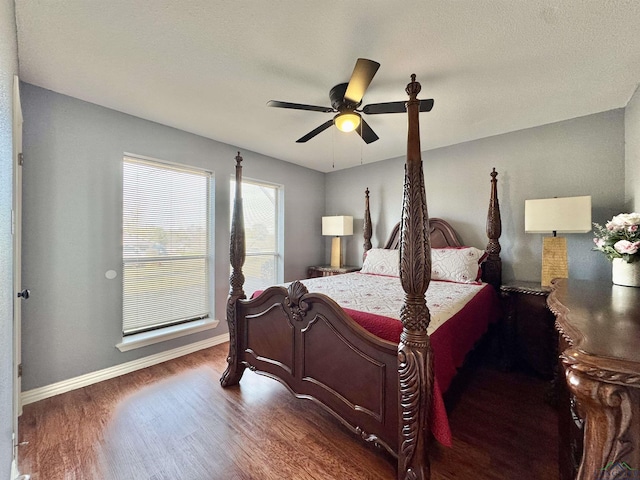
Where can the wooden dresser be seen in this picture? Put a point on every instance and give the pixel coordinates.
(599, 345)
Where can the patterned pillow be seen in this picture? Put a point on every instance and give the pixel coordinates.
(461, 265)
(382, 261)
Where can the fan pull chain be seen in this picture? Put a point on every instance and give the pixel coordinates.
(333, 145)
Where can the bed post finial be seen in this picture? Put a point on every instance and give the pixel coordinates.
(367, 232)
(234, 371)
(492, 266)
(413, 88)
(415, 364)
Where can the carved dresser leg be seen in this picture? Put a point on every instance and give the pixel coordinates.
(611, 427)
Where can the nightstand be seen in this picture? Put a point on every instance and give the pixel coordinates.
(327, 271)
(529, 328)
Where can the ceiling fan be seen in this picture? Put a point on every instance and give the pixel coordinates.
(345, 100)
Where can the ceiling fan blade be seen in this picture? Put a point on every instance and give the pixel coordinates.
(387, 107)
(426, 105)
(298, 106)
(361, 77)
(395, 107)
(315, 131)
(367, 134)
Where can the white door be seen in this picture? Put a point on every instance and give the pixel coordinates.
(17, 258)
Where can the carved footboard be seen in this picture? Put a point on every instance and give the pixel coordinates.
(308, 343)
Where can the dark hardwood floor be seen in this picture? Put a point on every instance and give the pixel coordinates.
(173, 421)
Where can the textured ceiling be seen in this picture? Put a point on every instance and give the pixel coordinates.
(210, 66)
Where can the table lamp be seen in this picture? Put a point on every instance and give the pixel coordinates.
(557, 215)
(337, 226)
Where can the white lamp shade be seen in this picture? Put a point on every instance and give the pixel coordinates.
(337, 225)
(562, 215)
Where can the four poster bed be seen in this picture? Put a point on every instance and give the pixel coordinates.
(380, 385)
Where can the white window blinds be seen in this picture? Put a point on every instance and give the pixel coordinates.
(165, 245)
(262, 243)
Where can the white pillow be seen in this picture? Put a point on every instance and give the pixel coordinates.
(382, 261)
(461, 265)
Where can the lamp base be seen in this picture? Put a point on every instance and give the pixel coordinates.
(554, 259)
(336, 255)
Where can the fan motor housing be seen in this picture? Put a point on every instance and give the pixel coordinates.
(338, 102)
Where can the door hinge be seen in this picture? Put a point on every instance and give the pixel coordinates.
(20, 159)
(20, 370)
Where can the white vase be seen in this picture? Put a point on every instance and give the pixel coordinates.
(623, 273)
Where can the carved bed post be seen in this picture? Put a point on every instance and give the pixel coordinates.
(234, 371)
(367, 225)
(415, 364)
(492, 266)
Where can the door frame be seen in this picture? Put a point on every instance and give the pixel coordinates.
(16, 227)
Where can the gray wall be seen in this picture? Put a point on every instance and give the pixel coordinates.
(582, 156)
(8, 68)
(72, 227)
(632, 153)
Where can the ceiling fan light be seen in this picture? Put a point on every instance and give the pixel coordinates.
(347, 122)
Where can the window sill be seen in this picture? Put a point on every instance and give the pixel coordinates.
(140, 340)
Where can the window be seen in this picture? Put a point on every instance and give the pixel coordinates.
(165, 245)
(263, 238)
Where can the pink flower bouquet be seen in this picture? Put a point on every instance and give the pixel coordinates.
(620, 237)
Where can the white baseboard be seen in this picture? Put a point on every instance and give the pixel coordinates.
(15, 474)
(57, 388)
(14, 470)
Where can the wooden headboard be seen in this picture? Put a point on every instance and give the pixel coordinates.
(441, 234)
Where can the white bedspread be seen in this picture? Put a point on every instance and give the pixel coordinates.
(382, 295)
